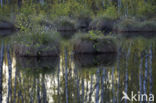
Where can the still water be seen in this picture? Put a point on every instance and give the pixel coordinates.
(70, 78)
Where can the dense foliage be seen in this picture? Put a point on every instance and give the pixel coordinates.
(54, 8)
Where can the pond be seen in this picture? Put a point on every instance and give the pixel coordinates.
(70, 78)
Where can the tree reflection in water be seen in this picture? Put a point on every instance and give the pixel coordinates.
(76, 78)
(1, 70)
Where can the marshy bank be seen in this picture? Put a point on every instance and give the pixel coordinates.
(44, 41)
(45, 38)
(66, 27)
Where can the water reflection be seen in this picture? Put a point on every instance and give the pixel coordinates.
(33, 65)
(64, 80)
(6, 32)
(1, 71)
(94, 60)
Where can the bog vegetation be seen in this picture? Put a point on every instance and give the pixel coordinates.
(42, 22)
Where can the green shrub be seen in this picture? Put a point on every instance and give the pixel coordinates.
(71, 8)
(110, 12)
(148, 26)
(102, 23)
(64, 23)
(23, 22)
(133, 25)
(146, 9)
(91, 35)
(37, 44)
(26, 23)
(36, 35)
(128, 24)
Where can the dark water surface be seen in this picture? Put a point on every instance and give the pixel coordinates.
(70, 78)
